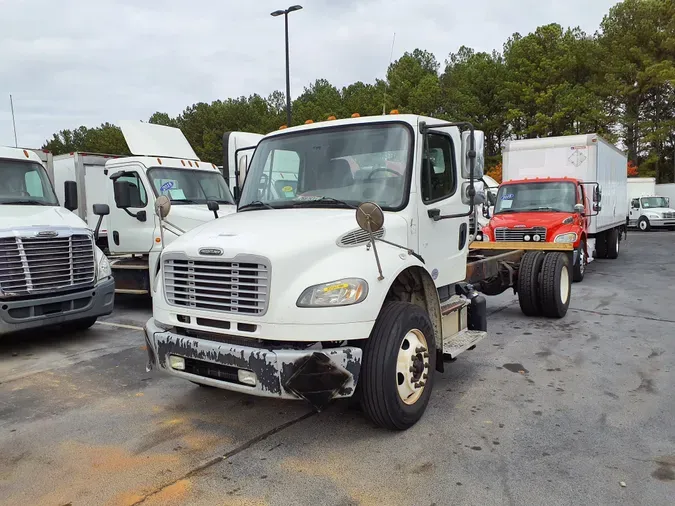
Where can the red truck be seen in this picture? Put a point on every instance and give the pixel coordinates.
(552, 192)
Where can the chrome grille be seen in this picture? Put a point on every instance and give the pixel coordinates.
(231, 287)
(518, 234)
(357, 237)
(30, 265)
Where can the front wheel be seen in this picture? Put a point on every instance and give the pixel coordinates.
(555, 285)
(580, 265)
(399, 360)
(643, 224)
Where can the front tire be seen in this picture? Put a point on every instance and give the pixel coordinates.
(556, 285)
(399, 360)
(580, 266)
(644, 225)
(528, 283)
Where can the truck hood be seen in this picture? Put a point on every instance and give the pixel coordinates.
(296, 234)
(530, 219)
(659, 210)
(188, 216)
(20, 216)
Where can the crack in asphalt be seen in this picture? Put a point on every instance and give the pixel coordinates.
(222, 458)
(600, 313)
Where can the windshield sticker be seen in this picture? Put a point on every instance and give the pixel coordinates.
(287, 189)
(166, 186)
(177, 194)
(508, 196)
(506, 204)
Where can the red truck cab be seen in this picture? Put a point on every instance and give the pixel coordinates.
(554, 210)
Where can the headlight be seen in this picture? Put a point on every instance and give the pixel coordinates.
(567, 238)
(342, 292)
(486, 238)
(653, 215)
(104, 269)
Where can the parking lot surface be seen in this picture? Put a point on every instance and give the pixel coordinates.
(572, 411)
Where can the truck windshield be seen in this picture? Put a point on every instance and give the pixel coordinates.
(189, 186)
(544, 196)
(652, 202)
(25, 183)
(331, 167)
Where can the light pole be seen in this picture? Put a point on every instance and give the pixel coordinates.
(288, 70)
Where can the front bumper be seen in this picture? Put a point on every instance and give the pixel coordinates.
(316, 375)
(662, 222)
(33, 313)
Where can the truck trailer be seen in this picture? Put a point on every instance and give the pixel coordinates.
(355, 280)
(563, 190)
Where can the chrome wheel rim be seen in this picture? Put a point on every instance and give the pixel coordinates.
(412, 367)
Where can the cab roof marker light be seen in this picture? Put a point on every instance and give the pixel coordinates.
(25, 152)
(189, 163)
(183, 162)
(282, 127)
(356, 115)
(159, 161)
(309, 122)
(197, 164)
(331, 118)
(394, 111)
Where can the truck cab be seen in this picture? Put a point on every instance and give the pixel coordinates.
(166, 166)
(51, 272)
(651, 211)
(556, 210)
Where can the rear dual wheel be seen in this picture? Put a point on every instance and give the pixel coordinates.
(544, 284)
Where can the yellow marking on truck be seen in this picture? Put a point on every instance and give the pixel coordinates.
(336, 287)
(537, 246)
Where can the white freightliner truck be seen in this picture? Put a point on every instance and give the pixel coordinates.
(51, 272)
(356, 280)
(647, 207)
(131, 234)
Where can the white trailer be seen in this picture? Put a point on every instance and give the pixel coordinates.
(649, 206)
(587, 158)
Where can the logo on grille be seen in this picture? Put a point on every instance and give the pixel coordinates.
(519, 226)
(210, 251)
(47, 233)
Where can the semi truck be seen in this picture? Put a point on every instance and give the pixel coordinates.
(648, 207)
(356, 282)
(163, 163)
(569, 189)
(51, 272)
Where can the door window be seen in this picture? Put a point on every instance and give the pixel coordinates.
(635, 204)
(438, 169)
(138, 196)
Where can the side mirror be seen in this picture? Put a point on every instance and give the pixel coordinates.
(213, 206)
(122, 194)
(478, 199)
(597, 194)
(162, 206)
(100, 210)
(597, 208)
(70, 195)
(579, 208)
(240, 176)
(479, 144)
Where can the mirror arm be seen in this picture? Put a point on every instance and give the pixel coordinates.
(98, 227)
(137, 215)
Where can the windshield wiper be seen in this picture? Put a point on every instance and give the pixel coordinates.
(28, 202)
(321, 200)
(256, 204)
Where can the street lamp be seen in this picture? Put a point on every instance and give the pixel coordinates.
(288, 71)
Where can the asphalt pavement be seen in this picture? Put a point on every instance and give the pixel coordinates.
(572, 411)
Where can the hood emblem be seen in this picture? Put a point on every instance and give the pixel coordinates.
(519, 226)
(210, 251)
(47, 233)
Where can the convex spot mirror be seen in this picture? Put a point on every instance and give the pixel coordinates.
(597, 194)
(479, 197)
(479, 145)
(162, 206)
(579, 208)
(369, 217)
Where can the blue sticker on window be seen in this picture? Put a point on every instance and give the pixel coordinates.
(166, 186)
(508, 196)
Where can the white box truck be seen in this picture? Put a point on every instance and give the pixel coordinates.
(356, 281)
(131, 234)
(563, 189)
(51, 272)
(648, 205)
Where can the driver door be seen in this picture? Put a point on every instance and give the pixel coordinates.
(634, 214)
(127, 233)
(443, 243)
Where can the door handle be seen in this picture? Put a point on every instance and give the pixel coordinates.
(434, 214)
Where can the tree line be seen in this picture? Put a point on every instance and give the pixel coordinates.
(618, 82)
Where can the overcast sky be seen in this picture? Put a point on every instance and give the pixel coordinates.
(82, 62)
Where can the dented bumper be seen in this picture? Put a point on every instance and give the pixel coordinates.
(316, 375)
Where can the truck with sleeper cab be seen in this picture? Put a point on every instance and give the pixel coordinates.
(357, 280)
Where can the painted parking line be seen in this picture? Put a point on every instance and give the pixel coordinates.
(120, 325)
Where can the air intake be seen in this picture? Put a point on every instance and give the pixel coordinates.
(357, 237)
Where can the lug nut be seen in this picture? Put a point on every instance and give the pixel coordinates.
(426, 355)
(426, 365)
(412, 369)
(425, 376)
(420, 349)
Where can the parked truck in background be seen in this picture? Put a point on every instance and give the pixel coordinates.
(51, 272)
(649, 207)
(565, 190)
(238, 148)
(357, 279)
(164, 163)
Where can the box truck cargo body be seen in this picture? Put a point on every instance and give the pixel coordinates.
(588, 158)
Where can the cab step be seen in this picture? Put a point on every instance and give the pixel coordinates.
(461, 341)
